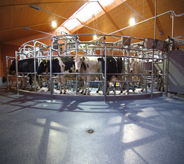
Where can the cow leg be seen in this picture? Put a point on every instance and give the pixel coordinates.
(98, 88)
(60, 88)
(23, 83)
(88, 79)
(30, 82)
(133, 87)
(82, 87)
(64, 85)
(85, 83)
(114, 89)
(107, 88)
(48, 86)
(88, 89)
(60, 80)
(60, 85)
(121, 87)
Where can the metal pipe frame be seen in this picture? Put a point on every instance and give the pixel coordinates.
(153, 48)
(105, 74)
(103, 53)
(146, 20)
(16, 61)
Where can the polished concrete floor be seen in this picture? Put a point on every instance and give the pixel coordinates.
(36, 130)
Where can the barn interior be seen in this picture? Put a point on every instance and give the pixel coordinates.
(42, 126)
(110, 16)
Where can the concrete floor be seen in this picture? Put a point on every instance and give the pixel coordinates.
(39, 131)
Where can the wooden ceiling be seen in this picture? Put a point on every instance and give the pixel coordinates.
(16, 14)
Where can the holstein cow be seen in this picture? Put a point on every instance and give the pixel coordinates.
(114, 65)
(24, 67)
(59, 65)
(87, 65)
(135, 68)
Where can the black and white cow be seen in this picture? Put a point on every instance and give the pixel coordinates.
(59, 65)
(114, 65)
(87, 65)
(24, 67)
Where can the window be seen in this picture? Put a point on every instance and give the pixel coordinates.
(105, 2)
(71, 23)
(88, 10)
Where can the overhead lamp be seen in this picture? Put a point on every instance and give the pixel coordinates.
(26, 28)
(94, 37)
(54, 23)
(35, 7)
(132, 21)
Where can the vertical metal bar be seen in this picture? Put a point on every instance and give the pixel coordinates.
(34, 66)
(76, 52)
(105, 73)
(123, 66)
(128, 54)
(76, 84)
(172, 25)
(76, 46)
(167, 74)
(65, 46)
(163, 73)
(16, 62)
(152, 78)
(51, 84)
(7, 72)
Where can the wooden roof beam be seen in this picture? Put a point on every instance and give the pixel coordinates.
(158, 24)
(110, 18)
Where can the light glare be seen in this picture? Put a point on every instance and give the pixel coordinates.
(54, 23)
(132, 21)
(95, 37)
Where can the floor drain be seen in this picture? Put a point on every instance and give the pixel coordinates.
(90, 131)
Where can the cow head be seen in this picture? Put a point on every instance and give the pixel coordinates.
(43, 67)
(78, 63)
(133, 65)
(12, 68)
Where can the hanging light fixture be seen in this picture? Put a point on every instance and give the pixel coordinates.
(132, 21)
(94, 37)
(54, 23)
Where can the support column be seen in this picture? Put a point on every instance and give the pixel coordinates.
(152, 77)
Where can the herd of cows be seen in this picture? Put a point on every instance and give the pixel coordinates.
(90, 68)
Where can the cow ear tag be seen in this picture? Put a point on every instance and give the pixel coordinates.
(110, 60)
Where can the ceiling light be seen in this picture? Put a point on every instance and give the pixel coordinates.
(132, 21)
(26, 28)
(94, 37)
(54, 23)
(35, 7)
